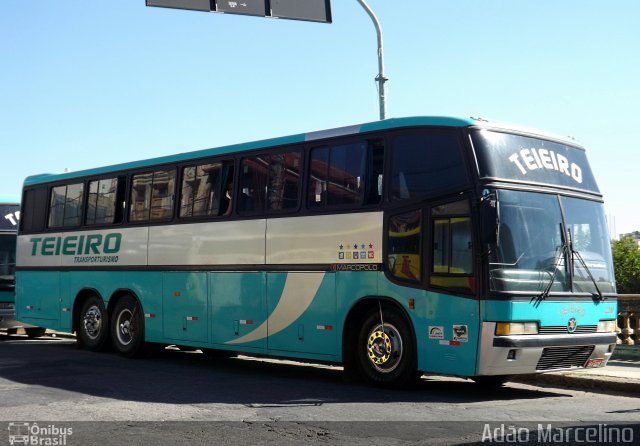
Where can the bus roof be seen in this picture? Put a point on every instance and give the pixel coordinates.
(437, 121)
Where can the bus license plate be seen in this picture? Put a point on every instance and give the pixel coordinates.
(593, 363)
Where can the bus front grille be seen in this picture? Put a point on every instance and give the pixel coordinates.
(564, 357)
(562, 329)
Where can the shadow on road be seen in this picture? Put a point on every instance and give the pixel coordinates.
(176, 377)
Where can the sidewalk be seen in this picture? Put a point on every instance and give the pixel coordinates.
(622, 374)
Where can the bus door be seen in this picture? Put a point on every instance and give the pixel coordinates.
(430, 251)
(453, 316)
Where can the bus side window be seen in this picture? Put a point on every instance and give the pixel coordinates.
(270, 182)
(452, 248)
(375, 168)
(253, 184)
(152, 196)
(104, 203)
(202, 193)
(34, 201)
(425, 164)
(338, 175)
(65, 205)
(318, 168)
(284, 181)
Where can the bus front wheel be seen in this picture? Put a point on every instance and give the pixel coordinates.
(127, 327)
(385, 351)
(93, 325)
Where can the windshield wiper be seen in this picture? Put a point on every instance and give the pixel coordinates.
(563, 250)
(586, 268)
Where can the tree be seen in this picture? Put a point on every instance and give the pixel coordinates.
(626, 263)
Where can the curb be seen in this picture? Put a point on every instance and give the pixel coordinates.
(585, 382)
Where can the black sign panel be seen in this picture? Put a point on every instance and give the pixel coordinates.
(312, 10)
(531, 160)
(244, 7)
(194, 5)
(9, 216)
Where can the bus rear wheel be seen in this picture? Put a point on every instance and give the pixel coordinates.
(385, 349)
(127, 327)
(93, 325)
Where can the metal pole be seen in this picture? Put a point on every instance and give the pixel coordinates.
(381, 79)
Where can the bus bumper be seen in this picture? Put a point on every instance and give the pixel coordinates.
(523, 354)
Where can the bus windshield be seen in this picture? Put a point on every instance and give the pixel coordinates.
(553, 243)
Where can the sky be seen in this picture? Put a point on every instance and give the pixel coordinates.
(87, 83)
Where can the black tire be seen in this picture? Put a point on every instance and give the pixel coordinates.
(127, 327)
(35, 332)
(93, 325)
(386, 357)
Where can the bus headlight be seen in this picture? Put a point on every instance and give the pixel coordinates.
(606, 326)
(516, 328)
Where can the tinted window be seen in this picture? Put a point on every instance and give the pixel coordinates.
(270, 182)
(33, 216)
(425, 164)
(65, 205)
(152, 196)
(105, 200)
(337, 175)
(203, 193)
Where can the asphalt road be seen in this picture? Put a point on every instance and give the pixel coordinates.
(187, 398)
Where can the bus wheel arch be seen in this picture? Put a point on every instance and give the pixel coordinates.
(362, 333)
(91, 320)
(127, 323)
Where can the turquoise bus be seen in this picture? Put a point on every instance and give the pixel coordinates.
(400, 247)
(9, 218)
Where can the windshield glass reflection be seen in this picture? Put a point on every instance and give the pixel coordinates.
(531, 245)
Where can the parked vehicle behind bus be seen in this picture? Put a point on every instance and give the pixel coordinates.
(9, 217)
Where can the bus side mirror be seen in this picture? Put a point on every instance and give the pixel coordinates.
(489, 219)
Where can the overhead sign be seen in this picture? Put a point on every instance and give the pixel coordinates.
(244, 7)
(194, 5)
(312, 10)
(309, 10)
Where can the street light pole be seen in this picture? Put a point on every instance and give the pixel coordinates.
(380, 78)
